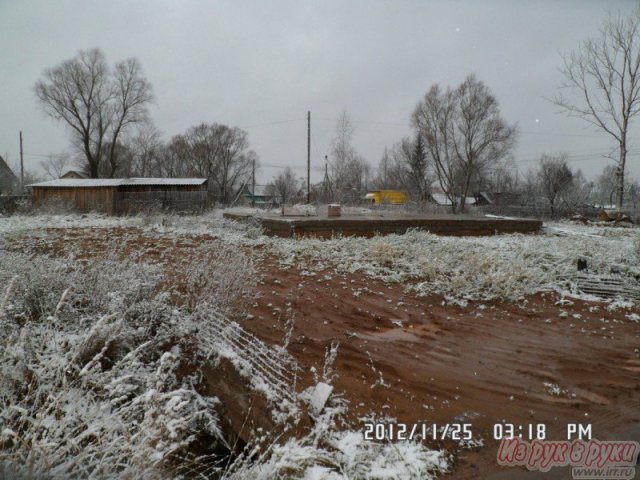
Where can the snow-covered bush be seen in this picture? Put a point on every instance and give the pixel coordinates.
(95, 377)
(216, 273)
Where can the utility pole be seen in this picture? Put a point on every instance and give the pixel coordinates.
(308, 157)
(253, 183)
(21, 166)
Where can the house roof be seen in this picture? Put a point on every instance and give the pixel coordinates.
(117, 182)
(5, 170)
(74, 172)
(486, 196)
(442, 199)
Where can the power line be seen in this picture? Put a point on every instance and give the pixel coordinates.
(366, 122)
(555, 134)
(293, 167)
(582, 157)
(277, 122)
(401, 124)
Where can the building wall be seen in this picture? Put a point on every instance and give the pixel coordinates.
(100, 199)
(123, 199)
(178, 198)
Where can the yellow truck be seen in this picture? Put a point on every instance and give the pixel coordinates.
(387, 197)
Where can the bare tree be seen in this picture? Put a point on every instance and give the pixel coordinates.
(464, 134)
(555, 180)
(146, 147)
(607, 185)
(382, 179)
(392, 172)
(501, 178)
(405, 167)
(604, 72)
(284, 187)
(217, 152)
(171, 160)
(350, 171)
(56, 165)
(96, 102)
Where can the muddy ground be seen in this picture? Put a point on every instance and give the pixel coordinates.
(541, 360)
(418, 360)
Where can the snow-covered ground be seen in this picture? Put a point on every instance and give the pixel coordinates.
(504, 266)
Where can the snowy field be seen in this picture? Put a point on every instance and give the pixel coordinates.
(498, 267)
(99, 356)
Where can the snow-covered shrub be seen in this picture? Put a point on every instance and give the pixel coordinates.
(97, 372)
(219, 274)
(329, 452)
(381, 251)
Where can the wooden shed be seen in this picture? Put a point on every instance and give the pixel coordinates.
(121, 195)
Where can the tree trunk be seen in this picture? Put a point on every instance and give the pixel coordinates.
(620, 175)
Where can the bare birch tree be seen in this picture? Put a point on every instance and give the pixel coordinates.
(56, 165)
(464, 134)
(97, 103)
(350, 171)
(284, 187)
(392, 172)
(604, 72)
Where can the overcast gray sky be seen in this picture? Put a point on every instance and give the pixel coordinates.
(261, 65)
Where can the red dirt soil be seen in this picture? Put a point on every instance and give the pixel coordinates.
(483, 364)
(418, 360)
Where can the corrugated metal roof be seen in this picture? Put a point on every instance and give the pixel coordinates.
(163, 181)
(116, 182)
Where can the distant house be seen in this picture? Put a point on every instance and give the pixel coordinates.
(501, 199)
(483, 198)
(508, 199)
(121, 195)
(442, 199)
(9, 183)
(259, 197)
(74, 174)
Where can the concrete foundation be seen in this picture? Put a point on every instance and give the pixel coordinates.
(368, 226)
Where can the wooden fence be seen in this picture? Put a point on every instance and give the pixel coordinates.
(170, 200)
